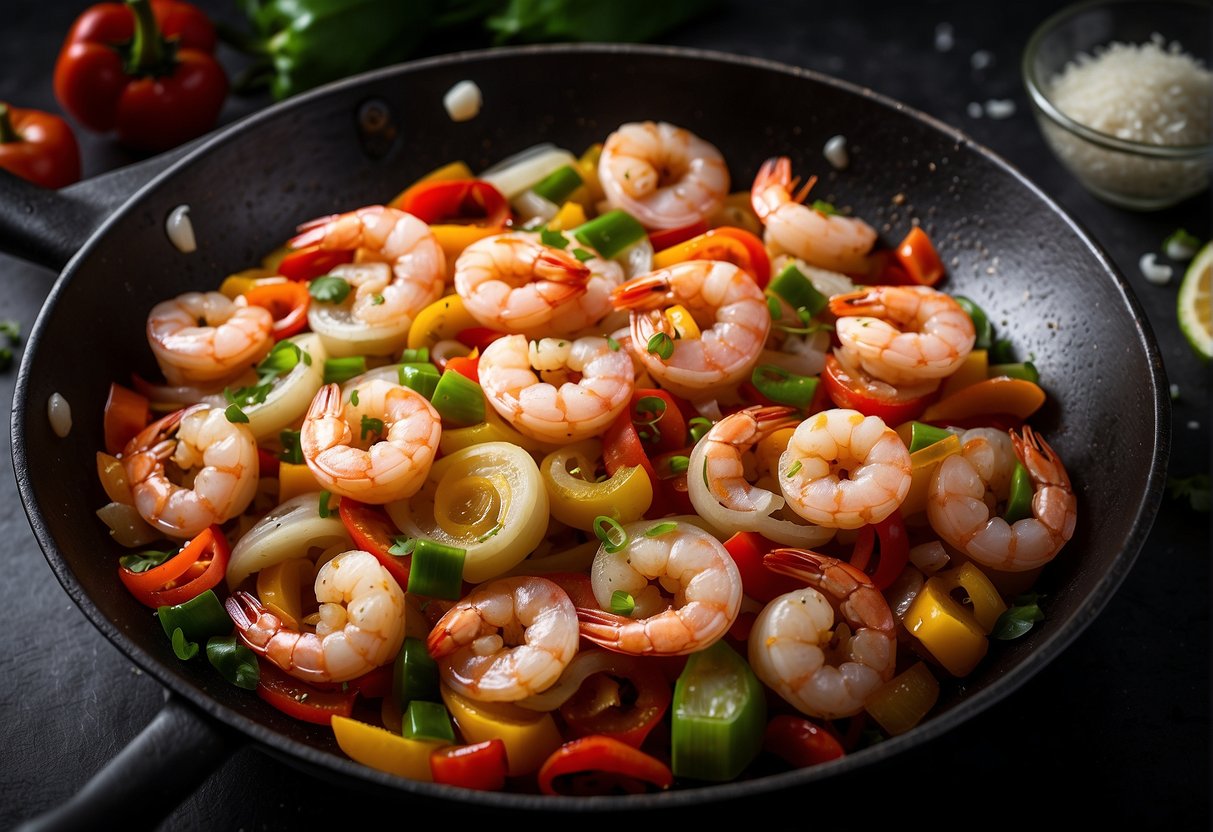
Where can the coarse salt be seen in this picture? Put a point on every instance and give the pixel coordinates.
(463, 101)
(1000, 108)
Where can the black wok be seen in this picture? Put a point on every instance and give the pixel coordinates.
(1009, 247)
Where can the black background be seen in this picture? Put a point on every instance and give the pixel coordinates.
(1115, 730)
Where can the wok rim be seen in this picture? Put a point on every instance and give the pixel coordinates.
(314, 759)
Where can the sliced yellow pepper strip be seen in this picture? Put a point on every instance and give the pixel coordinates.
(1015, 396)
(529, 736)
(771, 447)
(444, 318)
(446, 173)
(589, 194)
(294, 480)
(975, 368)
(384, 751)
(576, 501)
(570, 215)
(281, 587)
(946, 629)
(682, 321)
(492, 429)
(455, 238)
(235, 285)
(923, 464)
(901, 703)
(987, 603)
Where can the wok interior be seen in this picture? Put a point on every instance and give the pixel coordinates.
(1041, 283)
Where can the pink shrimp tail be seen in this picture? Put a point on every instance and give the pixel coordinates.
(555, 266)
(862, 302)
(809, 566)
(772, 417)
(247, 613)
(326, 402)
(158, 430)
(777, 172)
(1039, 458)
(642, 292)
(601, 627)
(335, 232)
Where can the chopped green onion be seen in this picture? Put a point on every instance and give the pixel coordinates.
(197, 619)
(402, 547)
(490, 533)
(246, 396)
(143, 561)
(420, 377)
(799, 292)
(281, 359)
(329, 289)
(427, 721)
(719, 716)
(324, 508)
(923, 435)
(235, 415)
(612, 344)
(371, 425)
(458, 400)
(1019, 503)
(292, 451)
(981, 322)
(1025, 370)
(421, 355)
(823, 207)
(784, 386)
(235, 662)
(698, 426)
(622, 603)
(338, 370)
(354, 397)
(660, 529)
(679, 464)
(774, 307)
(1180, 245)
(1018, 619)
(436, 570)
(651, 404)
(554, 239)
(183, 648)
(583, 254)
(794, 469)
(661, 345)
(558, 185)
(612, 535)
(611, 234)
(415, 675)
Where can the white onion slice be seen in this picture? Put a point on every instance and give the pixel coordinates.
(290, 395)
(516, 173)
(288, 531)
(127, 528)
(462, 101)
(929, 557)
(343, 334)
(637, 259)
(584, 665)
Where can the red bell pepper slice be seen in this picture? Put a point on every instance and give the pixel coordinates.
(373, 531)
(799, 742)
(482, 766)
(299, 700)
(672, 487)
(671, 428)
(451, 201)
(628, 709)
(38, 146)
(311, 262)
(758, 582)
(466, 367)
(732, 245)
(848, 389)
(621, 447)
(602, 765)
(478, 337)
(144, 69)
(268, 464)
(664, 238)
(760, 261)
(287, 303)
(126, 413)
(893, 554)
(199, 566)
(918, 258)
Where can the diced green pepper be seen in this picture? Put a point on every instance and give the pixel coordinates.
(436, 570)
(427, 721)
(1025, 370)
(981, 322)
(923, 435)
(784, 386)
(458, 400)
(338, 370)
(1019, 504)
(198, 618)
(558, 185)
(800, 293)
(719, 715)
(419, 376)
(415, 674)
(611, 234)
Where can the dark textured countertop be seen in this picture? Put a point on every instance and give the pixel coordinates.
(1115, 729)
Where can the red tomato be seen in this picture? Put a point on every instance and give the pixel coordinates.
(856, 391)
(482, 765)
(470, 201)
(602, 765)
(311, 262)
(300, 700)
(287, 303)
(760, 261)
(800, 742)
(373, 531)
(199, 566)
(126, 414)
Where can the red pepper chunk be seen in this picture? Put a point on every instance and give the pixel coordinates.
(624, 702)
(467, 201)
(758, 582)
(660, 432)
(299, 700)
(311, 262)
(39, 147)
(144, 69)
(847, 389)
(918, 258)
(126, 414)
(893, 554)
(602, 765)
(467, 367)
(372, 531)
(799, 742)
(199, 566)
(482, 766)
(286, 302)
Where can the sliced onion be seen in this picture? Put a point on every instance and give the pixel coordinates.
(290, 395)
(288, 531)
(727, 521)
(529, 205)
(343, 334)
(126, 526)
(388, 372)
(637, 259)
(929, 557)
(447, 349)
(584, 665)
(804, 363)
(825, 281)
(904, 589)
(516, 173)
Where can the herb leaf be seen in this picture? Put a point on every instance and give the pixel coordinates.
(329, 289)
(371, 425)
(555, 239)
(143, 561)
(661, 345)
(403, 547)
(183, 648)
(1019, 619)
(235, 662)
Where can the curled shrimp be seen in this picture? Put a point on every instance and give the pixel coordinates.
(844, 470)
(664, 176)
(202, 337)
(965, 484)
(554, 389)
(794, 647)
(360, 627)
(375, 447)
(199, 440)
(724, 353)
(822, 239)
(514, 283)
(685, 585)
(509, 639)
(903, 334)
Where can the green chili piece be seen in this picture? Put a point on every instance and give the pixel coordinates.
(611, 234)
(235, 662)
(183, 648)
(422, 377)
(436, 570)
(981, 322)
(1019, 504)
(1002, 351)
(679, 464)
(338, 370)
(325, 509)
(415, 674)
(612, 535)
(198, 619)
(427, 721)
(1018, 618)
(800, 293)
(784, 386)
(719, 715)
(421, 355)
(458, 400)
(558, 185)
(923, 435)
(622, 603)
(553, 238)
(1025, 370)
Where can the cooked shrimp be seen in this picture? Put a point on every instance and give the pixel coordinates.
(965, 485)
(200, 441)
(514, 283)
(715, 291)
(724, 445)
(664, 176)
(685, 585)
(202, 337)
(794, 647)
(554, 389)
(507, 640)
(361, 626)
(376, 449)
(417, 264)
(822, 239)
(844, 470)
(903, 334)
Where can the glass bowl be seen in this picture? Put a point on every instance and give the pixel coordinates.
(1125, 172)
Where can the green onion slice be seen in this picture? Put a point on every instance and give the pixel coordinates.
(420, 377)
(324, 508)
(553, 238)
(699, 426)
(612, 535)
(660, 529)
(458, 400)
(436, 570)
(611, 234)
(338, 370)
(1019, 503)
(784, 386)
(558, 185)
(292, 450)
(661, 345)
(415, 674)
(622, 603)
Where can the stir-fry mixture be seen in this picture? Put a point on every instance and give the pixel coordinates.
(587, 475)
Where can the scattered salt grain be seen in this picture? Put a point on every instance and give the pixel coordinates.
(945, 37)
(1157, 273)
(60, 414)
(1000, 108)
(180, 230)
(463, 101)
(835, 152)
(981, 59)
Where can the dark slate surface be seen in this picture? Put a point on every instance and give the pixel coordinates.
(1116, 729)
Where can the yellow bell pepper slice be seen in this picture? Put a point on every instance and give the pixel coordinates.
(235, 285)
(771, 447)
(576, 501)
(382, 750)
(446, 173)
(455, 238)
(946, 629)
(902, 702)
(570, 215)
(281, 589)
(682, 321)
(589, 194)
(923, 464)
(975, 368)
(444, 318)
(987, 603)
(1016, 396)
(530, 737)
(492, 429)
(294, 480)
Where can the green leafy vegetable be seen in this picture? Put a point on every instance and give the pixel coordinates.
(1018, 618)
(235, 662)
(183, 648)
(329, 289)
(143, 561)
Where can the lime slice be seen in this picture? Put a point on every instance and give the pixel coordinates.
(1195, 307)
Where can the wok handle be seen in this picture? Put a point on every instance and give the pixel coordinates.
(149, 778)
